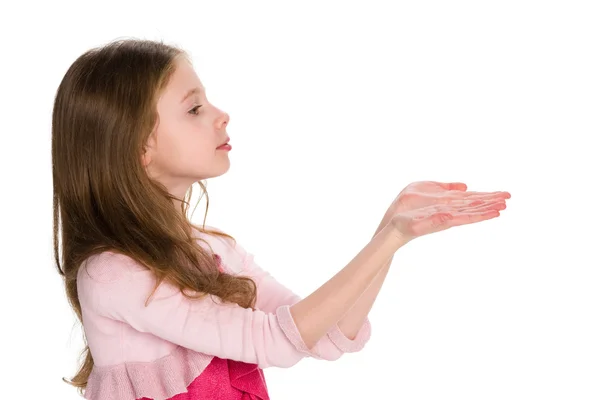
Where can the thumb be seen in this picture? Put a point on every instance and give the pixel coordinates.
(453, 185)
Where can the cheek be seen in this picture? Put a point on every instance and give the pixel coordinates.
(180, 154)
(188, 148)
(198, 153)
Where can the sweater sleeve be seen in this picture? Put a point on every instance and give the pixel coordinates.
(119, 288)
(272, 295)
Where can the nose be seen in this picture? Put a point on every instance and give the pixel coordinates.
(223, 121)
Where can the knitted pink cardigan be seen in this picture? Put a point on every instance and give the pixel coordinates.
(180, 349)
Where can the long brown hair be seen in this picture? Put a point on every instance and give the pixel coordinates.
(104, 111)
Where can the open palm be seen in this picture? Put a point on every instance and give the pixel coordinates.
(427, 193)
(411, 224)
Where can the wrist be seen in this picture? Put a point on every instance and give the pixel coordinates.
(387, 218)
(391, 235)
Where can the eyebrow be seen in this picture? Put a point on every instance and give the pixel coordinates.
(191, 92)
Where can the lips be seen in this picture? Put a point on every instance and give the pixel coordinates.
(224, 143)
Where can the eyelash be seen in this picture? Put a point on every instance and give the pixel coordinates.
(195, 108)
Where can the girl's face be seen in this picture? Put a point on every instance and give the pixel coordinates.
(183, 149)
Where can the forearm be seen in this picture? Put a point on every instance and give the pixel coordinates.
(316, 314)
(351, 323)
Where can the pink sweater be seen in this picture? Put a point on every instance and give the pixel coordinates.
(161, 350)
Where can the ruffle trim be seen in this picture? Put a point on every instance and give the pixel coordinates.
(171, 375)
(159, 380)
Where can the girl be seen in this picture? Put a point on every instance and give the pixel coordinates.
(171, 310)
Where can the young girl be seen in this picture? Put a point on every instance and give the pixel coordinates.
(171, 310)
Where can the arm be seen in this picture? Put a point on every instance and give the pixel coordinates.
(351, 324)
(321, 310)
(351, 333)
(348, 335)
(271, 294)
(228, 330)
(115, 286)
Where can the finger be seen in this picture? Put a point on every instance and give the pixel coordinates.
(470, 206)
(471, 217)
(460, 186)
(500, 193)
(476, 195)
(457, 186)
(490, 205)
(470, 202)
(441, 221)
(482, 208)
(444, 198)
(461, 205)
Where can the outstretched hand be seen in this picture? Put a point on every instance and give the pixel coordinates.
(425, 207)
(426, 193)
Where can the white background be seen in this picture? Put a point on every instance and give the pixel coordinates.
(335, 107)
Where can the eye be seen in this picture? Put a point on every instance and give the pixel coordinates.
(194, 110)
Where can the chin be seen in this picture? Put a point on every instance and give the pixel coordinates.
(215, 173)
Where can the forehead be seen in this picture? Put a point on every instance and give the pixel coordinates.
(184, 81)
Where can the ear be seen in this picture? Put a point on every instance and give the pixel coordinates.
(148, 150)
(145, 157)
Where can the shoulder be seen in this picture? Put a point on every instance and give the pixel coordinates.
(217, 243)
(110, 281)
(230, 251)
(107, 267)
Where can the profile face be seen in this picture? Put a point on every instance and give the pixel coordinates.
(185, 147)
